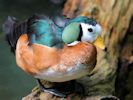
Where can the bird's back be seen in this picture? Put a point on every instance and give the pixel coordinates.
(44, 31)
(40, 29)
(14, 29)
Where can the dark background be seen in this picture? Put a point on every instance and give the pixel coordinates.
(14, 83)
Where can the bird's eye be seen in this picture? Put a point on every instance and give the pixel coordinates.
(90, 29)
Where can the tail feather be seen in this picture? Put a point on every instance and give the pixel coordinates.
(13, 29)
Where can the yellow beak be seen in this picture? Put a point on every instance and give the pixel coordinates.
(99, 42)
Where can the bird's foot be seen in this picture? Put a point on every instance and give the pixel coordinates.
(110, 97)
(63, 89)
(54, 92)
(79, 88)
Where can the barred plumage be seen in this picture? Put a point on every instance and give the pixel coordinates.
(14, 29)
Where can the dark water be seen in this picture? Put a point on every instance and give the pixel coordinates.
(14, 83)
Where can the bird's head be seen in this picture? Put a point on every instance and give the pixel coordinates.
(83, 29)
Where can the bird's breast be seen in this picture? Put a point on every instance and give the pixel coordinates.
(75, 62)
(55, 65)
(82, 53)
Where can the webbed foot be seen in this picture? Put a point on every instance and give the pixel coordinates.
(110, 97)
(63, 89)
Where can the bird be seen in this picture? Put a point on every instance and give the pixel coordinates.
(52, 53)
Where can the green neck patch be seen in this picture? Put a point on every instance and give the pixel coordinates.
(71, 32)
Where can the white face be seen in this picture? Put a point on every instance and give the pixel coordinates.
(90, 32)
